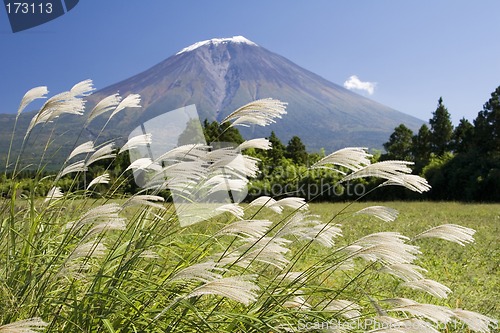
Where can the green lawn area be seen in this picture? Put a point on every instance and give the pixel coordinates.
(472, 272)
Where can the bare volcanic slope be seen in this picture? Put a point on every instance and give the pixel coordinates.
(220, 75)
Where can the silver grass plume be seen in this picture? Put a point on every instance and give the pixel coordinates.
(351, 158)
(387, 247)
(385, 169)
(247, 228)
(106, 104)
(265, 201)
(145, 200)
(66, 102)
(261, 112)
(435, 313)
(412, 182)
(432, 287)
(31, 325)
(232, 208)
(293, 277)
(238, 288)
(103, 213)
(102, 153)
(144, 163)
(386, 214)
(406, 272)
(297, 302)
(30, 96)
(295, 203)
(450, 232)
(102, 179)
(90, 249)
(74, 167)
(84, 148)
(346, 309)
(53, 194)
(260, 143)
(136, 141)
(131, 101)
(475, 321)
(202, 272)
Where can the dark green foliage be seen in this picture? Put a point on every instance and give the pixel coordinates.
(215, 132)
(193, 133)
(441, 129)
(487, 125)
(399, 146)
(296, 151)
(463, 136)
(422, 146)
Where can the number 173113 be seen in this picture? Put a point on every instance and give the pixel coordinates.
(28, 8)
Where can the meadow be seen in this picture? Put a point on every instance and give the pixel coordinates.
(178, 256)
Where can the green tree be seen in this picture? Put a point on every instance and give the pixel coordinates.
(441, 129)
(278, 151)
(399, 145)
(422, 146)
(215, 132)
(193, 133)
(463, 136)
(296, 151)
(487, 125)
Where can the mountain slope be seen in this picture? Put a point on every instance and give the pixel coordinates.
(220, 75)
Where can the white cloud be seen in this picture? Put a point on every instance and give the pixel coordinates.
(354, 82)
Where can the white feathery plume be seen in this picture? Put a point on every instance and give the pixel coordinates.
(248, 228)
(31, 325)
(351, 158)
(346, 309)
(432, 287)
(102, 153)
(102, 179)
(268, 250)
(386, 214)
(89, 249)
(260, 143)
(101, 213)
(385, 169)
(131, 101)
(53, 194)
(293, 277)
(30, 96)
(84, 148)
(297, 302)
(222, 183)
(406, 272)
(450, 232)
(83, 88)
(308, 227)
(295, 203)
(475, 321)
(387, 247)
(201, 272)
(232, 208)
(149, 254)
(186, 152)
(237, 288)
(412, 182)
(260, 112)
(146, 200)
(103, 106)
(265, 201)
(74, 167)
(144, 163)
(107, 225)
(136, 141)
(435, 313)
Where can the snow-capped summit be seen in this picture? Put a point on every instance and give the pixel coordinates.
(217, 41)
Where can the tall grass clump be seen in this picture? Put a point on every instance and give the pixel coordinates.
(76, 261)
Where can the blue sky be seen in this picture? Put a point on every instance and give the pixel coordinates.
(414, 51)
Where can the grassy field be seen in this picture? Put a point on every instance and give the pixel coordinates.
(472, 271)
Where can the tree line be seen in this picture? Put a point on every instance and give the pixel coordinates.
(462, 162)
